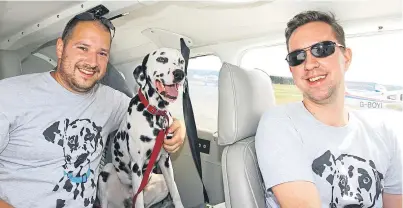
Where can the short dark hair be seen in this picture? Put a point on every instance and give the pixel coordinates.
(314, 16)
(84, 17)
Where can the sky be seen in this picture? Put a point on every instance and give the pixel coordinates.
(205, 63)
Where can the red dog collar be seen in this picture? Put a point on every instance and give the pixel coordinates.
(150, 108)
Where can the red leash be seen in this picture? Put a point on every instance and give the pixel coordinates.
(157, 147)
(156, 150)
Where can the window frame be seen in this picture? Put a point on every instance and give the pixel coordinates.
(197, 111)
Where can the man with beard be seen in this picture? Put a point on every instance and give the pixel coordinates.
(317, 153)
(54, 125)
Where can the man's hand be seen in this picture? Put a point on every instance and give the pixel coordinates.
(392, 200)
(179, 129)
(3, 204)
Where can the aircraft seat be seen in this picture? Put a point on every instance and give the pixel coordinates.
(244, 95)
(10, 64)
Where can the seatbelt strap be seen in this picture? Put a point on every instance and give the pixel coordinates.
(156, 150)
(190, 123)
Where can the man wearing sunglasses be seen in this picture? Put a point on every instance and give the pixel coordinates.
(54, 125)
(317, 153)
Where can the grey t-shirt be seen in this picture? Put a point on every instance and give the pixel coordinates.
(349, 165)
(51, 140)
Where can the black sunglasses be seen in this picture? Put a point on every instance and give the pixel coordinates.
(320, 50)
(91, 16)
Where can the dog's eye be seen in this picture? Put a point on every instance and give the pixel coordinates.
(366, 180)
(162, 60)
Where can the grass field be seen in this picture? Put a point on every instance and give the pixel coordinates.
(290, 93)
(286, 93)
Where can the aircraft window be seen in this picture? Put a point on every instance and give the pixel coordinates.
(373, 79)
(203, 88)
(272, 60)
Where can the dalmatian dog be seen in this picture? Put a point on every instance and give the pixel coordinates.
(81, 141)
(160, 77)
(355, 181)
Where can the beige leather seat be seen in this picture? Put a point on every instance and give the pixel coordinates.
(243, 97)
(10, 64)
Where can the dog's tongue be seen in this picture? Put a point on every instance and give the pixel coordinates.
(171, 90)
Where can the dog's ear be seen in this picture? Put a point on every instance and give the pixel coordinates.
(141, 69)
(139, 75)
(376, 172)
(325, 166)
(145, 60)
(137, 72)
(53, 134)
(378, 177)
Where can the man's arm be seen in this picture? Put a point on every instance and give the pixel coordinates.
(121, 107)
(393, 190)
(3, 204)
(283, 163)
(392, 200)
(302, 194)
(4, 131)
(4, 137)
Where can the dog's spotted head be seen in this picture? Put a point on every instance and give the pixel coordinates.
(80, 139)
(164, 71)
(355, 181)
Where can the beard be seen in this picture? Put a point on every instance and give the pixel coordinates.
(68, 73)
(326, 98)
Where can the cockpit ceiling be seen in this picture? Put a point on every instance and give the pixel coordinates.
(17, 15)
(205, 23)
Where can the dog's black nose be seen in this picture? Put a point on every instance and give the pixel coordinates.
(178, 75)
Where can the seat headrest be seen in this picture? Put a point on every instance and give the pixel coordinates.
(10, 64)
(243, 96)
(115, 80)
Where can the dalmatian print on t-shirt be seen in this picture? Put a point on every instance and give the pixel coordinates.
(81, 141)
(356, 183)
